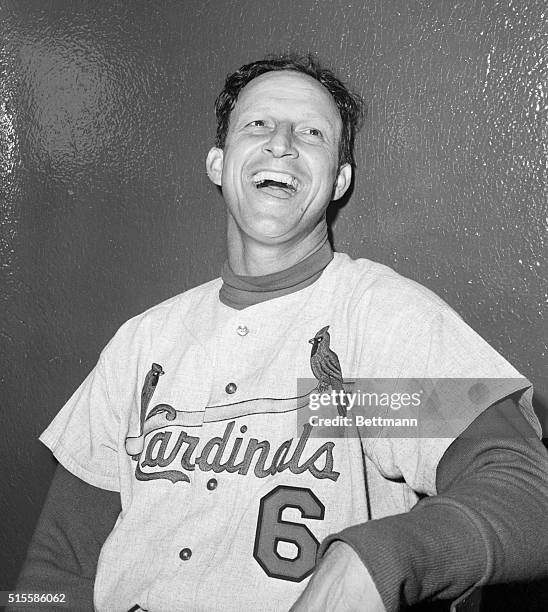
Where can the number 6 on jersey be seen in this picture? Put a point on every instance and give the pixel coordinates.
(271, 530)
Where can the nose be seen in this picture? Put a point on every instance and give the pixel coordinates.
(281, 142)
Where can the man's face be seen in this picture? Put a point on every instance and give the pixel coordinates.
(279, 167)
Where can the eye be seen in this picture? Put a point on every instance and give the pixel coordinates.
(257, 123)
(313, 132)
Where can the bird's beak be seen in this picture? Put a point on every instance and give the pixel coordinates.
(311, 341)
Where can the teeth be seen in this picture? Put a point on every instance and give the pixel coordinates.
(278, 177)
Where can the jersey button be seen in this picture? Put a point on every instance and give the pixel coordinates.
(231, 388)
(185, 554)
(212, 484)
(242, 330)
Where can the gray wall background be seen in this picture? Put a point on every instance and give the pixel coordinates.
(106, 115)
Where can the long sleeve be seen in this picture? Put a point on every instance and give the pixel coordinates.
(62, 558)
(486, 525)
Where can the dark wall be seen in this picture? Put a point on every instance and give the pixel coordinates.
(105, 120)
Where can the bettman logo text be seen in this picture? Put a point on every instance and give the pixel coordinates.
(172, 456)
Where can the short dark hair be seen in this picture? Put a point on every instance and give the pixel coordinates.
(350, 105)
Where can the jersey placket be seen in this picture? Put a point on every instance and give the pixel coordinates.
(212, 492)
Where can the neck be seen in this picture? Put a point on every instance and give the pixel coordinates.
(248, 257)
(239, 291)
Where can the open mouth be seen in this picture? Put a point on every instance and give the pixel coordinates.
(279, 184)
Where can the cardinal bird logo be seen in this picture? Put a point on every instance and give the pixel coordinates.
(326, 366)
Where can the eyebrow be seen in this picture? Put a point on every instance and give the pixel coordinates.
(260, 109)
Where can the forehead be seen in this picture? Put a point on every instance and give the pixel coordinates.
(287, 89)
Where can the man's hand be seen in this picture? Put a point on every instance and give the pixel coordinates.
(340, 583)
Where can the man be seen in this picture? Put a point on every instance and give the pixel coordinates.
(193, 416)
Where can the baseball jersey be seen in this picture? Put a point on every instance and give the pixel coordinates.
(192, 414)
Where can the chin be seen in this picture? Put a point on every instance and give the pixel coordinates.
(269, 232)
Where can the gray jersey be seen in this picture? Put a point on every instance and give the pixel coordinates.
(193, 414)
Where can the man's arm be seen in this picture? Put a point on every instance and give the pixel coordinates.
(62, 557)
(486, 525)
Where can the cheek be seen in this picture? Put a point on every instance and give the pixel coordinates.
(230, 175)
(325, 162)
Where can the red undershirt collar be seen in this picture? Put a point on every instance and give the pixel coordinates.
(239, 292)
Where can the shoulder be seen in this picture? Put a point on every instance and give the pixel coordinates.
(379, 287)
(172, 317)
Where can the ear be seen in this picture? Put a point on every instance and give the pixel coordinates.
(343, 181)
(214, 165)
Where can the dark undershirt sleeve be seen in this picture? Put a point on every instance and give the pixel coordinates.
(62, 558)
(486, 525)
